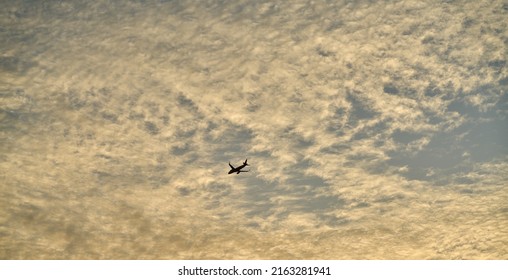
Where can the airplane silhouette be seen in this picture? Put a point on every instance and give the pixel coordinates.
(239, 168)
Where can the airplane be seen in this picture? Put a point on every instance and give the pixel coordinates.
(239, 168)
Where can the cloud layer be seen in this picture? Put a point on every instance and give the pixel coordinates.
(373, 130)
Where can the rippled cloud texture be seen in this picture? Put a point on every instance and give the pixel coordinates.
(374, 129)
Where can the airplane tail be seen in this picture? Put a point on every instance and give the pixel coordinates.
(245, 162)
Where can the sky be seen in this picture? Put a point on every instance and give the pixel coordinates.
(373, 129)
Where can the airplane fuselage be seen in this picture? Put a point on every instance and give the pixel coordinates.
(236, 170)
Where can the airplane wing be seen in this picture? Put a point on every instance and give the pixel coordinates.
(231, 166)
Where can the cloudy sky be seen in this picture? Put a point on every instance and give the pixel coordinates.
(374, 129)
